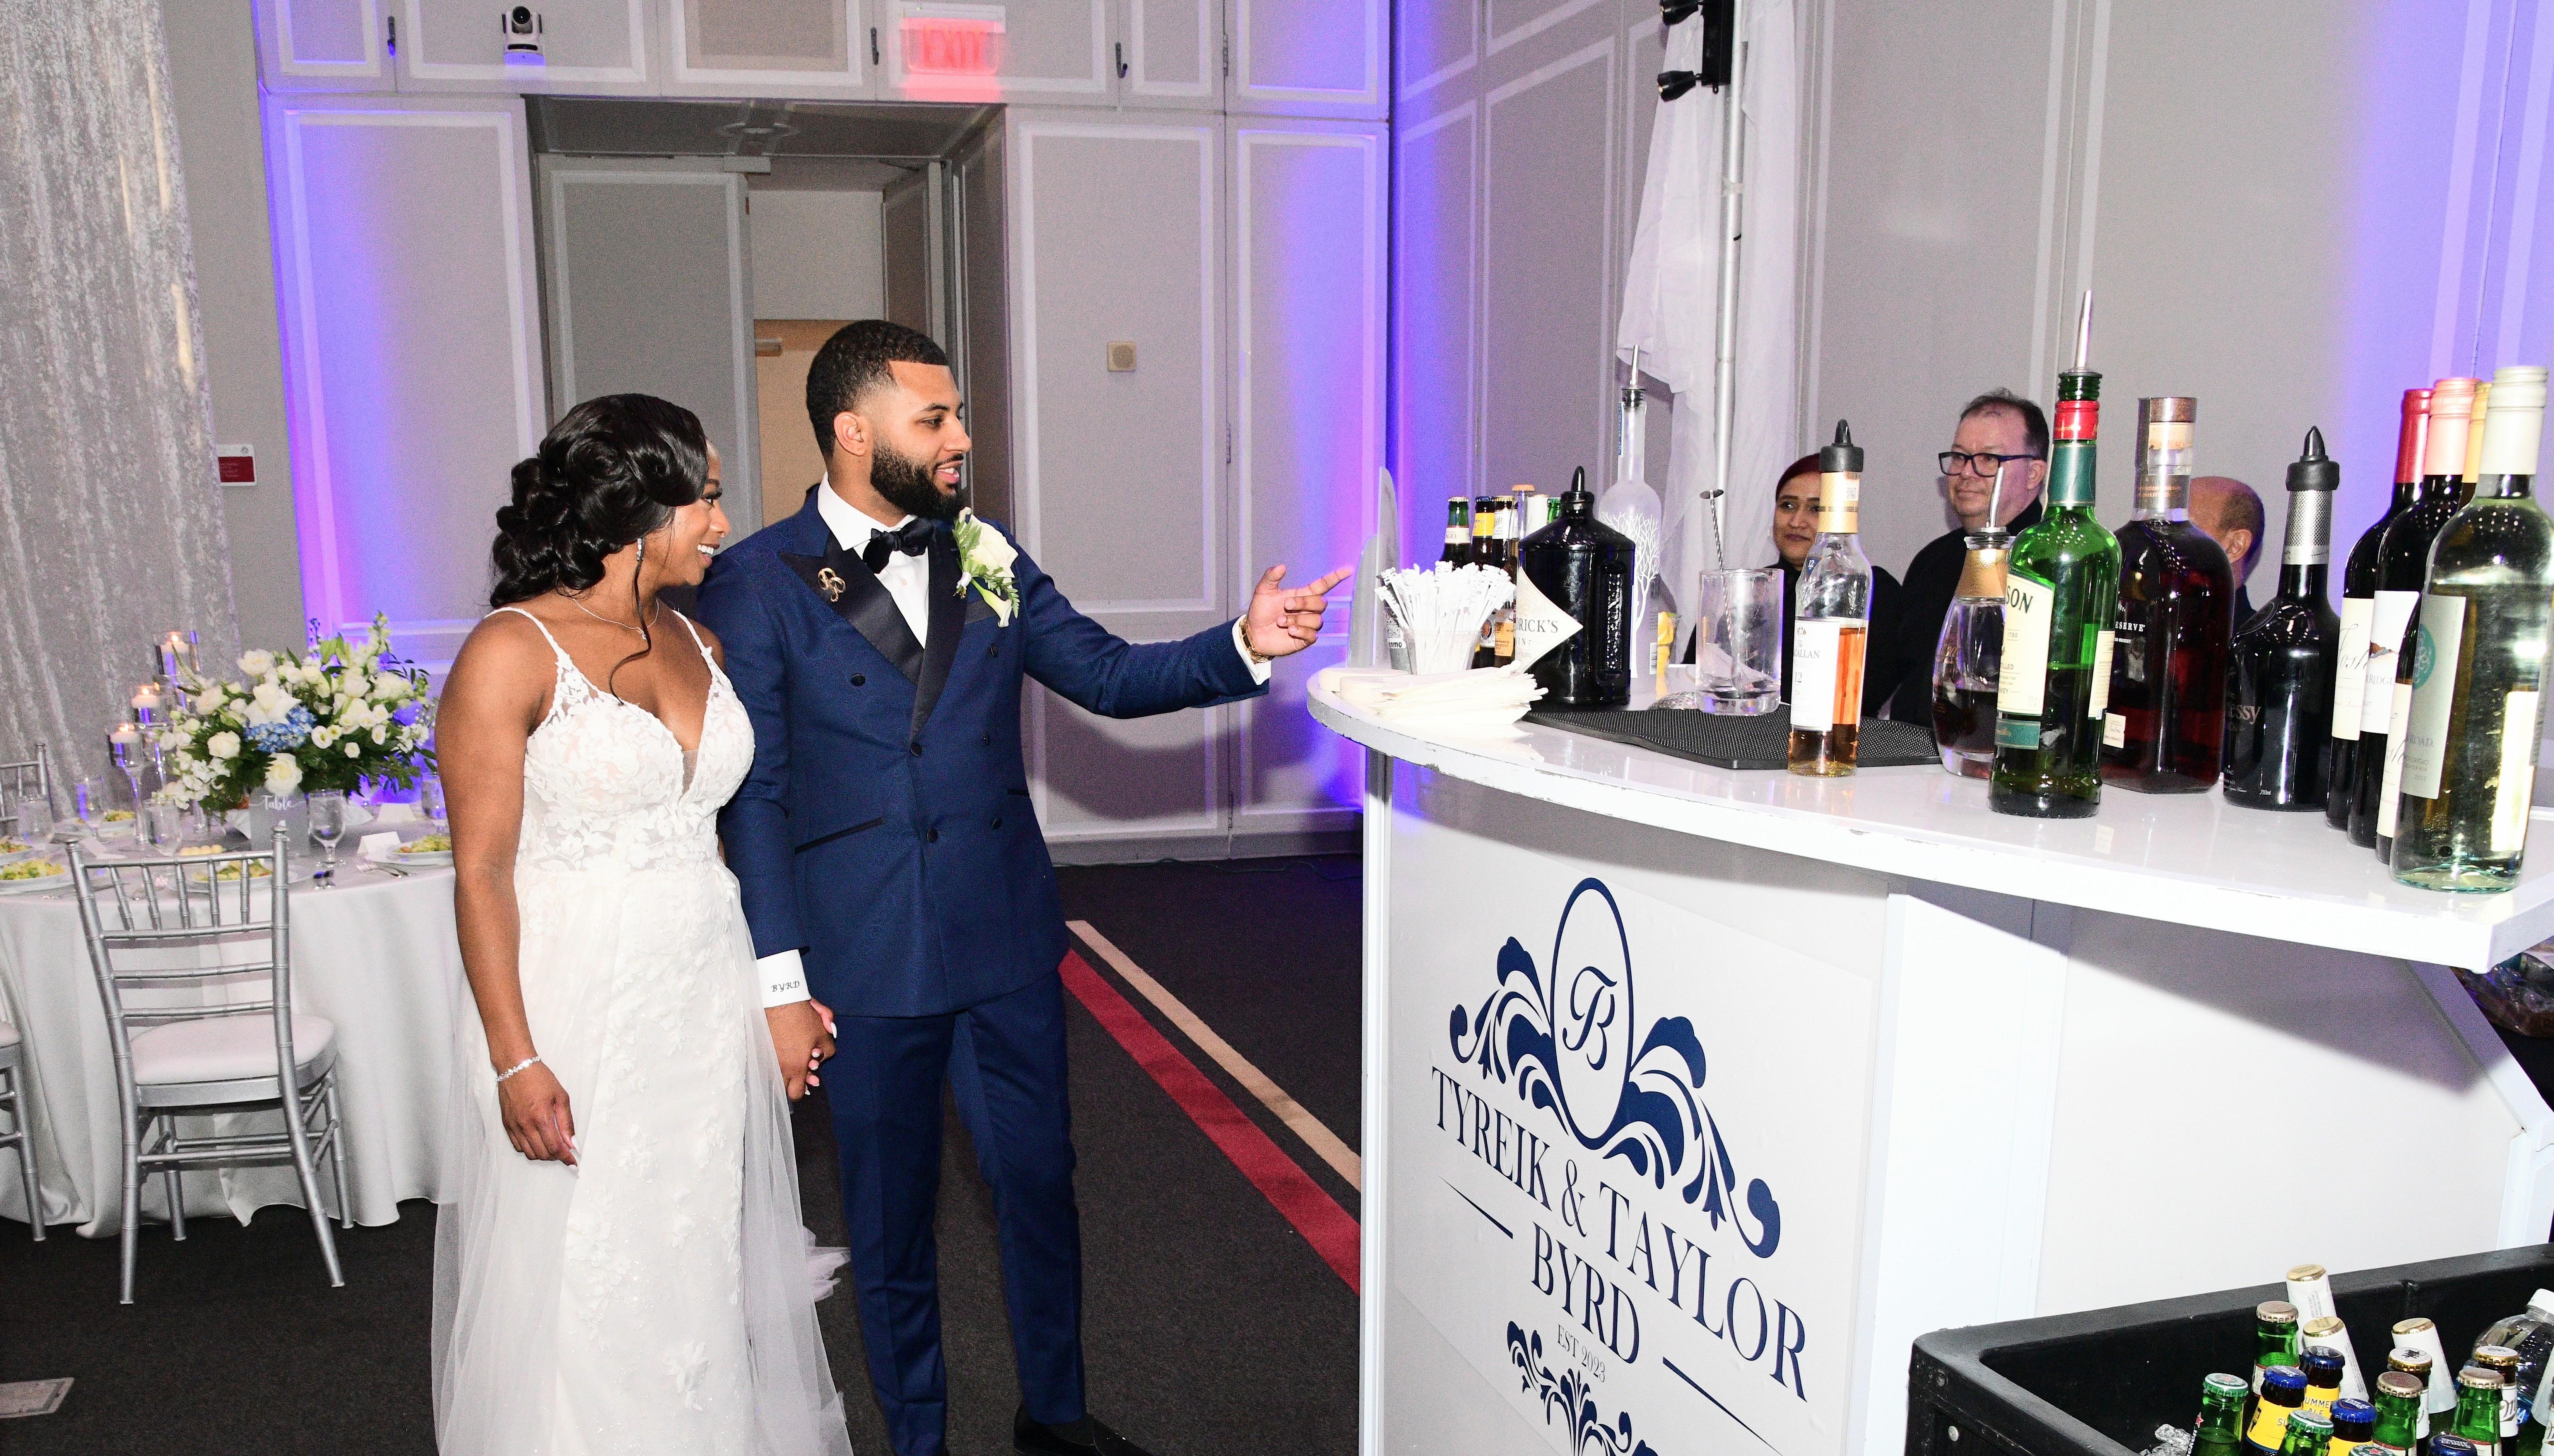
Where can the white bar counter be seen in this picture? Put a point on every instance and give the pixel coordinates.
(1695, 1096)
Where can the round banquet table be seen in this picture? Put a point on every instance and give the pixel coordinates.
(376, 955)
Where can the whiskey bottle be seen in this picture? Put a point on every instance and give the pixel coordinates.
(2403, 562)
(2167, 724)
(2353, 705)
(2061, 584)
(2278, 687)
(2478, 673)
(1831, 622)
(1580, 568)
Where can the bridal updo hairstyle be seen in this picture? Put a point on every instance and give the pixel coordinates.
(610, 472)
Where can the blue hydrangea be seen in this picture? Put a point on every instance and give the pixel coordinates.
(284, 737)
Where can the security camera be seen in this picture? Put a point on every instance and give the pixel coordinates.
(522, 27)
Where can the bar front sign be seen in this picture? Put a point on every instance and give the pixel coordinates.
(1644, 1268)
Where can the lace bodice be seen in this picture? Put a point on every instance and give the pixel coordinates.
(606, 786)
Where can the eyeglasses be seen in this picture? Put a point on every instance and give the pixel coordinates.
(1983, 465)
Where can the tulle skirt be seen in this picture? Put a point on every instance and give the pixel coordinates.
(656, 1297)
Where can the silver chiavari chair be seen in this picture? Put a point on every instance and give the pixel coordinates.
(13, 1075)
(27, 779)
(158, 927)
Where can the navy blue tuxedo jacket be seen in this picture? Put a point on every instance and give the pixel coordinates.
(886, 830)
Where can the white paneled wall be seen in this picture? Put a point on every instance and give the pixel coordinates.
(411, 348)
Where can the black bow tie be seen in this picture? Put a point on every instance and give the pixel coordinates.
(912, 539)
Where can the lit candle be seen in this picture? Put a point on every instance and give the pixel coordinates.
(125, 732)
(146, 699)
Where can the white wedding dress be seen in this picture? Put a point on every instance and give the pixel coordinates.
(655, 1297)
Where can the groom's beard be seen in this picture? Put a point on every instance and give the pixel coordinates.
(908, 486)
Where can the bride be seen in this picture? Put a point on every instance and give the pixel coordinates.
(620, 1265)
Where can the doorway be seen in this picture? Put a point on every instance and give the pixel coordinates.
(705, 250)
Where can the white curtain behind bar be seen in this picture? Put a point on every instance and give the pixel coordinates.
(1672, 304)
(110, 518)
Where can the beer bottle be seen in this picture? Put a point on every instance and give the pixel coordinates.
(2283, 1390)
(2503, 1361)
(2274, 1338)
(2219, 1431)
(2309, 1435)
(1458, 533)
(1485, 552)
(2353, 1424)
(2399, 1418)
(2323, 1379)
(2477, 1413)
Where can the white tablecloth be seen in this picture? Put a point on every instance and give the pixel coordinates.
(376, 955)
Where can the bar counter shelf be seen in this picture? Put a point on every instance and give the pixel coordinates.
(1695, 1096)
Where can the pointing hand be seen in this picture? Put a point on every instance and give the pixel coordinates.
(1283, 622)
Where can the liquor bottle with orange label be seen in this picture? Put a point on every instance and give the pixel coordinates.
(1831, 625)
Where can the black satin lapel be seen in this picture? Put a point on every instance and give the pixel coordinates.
(948, 622)
(855, 593)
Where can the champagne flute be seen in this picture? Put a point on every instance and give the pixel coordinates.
(327, 825)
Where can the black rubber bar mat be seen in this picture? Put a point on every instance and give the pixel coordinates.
(1729, 742)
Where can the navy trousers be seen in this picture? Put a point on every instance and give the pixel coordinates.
(1004, 1061)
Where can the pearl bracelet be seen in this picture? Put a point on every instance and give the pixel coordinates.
(518, 1066)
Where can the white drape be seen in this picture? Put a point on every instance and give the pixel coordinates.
(110, 519)
(1670, 293)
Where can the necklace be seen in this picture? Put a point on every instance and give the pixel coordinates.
(609, 621)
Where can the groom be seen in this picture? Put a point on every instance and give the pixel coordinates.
(890, 866)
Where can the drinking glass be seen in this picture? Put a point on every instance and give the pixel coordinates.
(1738, 643)
(35, 814)
(429, 799)
(327, 825)
(165, 818)
(88, 804)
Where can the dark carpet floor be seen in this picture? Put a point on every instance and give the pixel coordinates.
(1211, 1327)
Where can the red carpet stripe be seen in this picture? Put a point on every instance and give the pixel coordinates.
(1315, 1214)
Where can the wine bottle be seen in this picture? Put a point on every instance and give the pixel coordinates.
(1831, 622)
(2278, 676)
(2402, 560)
(1458, 533)
(2352, 702)
(2478, 673)
(2061, 584)
(2166, 725)
(1579, 568)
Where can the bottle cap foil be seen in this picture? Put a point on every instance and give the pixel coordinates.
(2451, 404)
(2515, 424)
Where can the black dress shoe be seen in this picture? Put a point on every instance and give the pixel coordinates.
(1085, 1437)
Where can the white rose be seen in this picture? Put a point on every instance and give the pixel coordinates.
(283, 775)
(223, 746)
(256, 663)
(354, 751)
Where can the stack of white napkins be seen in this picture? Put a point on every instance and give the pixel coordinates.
(1481, 700)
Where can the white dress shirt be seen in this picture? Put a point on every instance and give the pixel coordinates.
(907, 579)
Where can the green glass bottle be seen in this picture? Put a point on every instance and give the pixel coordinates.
(2309, 1435)
(2061, 589)
(2477, 1413)
(2398, 1410)
(2219, 1431)
(2274, 1338)
(2480, 635)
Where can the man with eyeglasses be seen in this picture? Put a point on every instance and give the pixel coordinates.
(1998, 429)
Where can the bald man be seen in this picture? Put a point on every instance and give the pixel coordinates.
(2230, 514)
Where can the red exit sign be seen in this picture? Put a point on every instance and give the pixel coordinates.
(953, 41)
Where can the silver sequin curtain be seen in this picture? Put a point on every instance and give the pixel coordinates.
(110, 518)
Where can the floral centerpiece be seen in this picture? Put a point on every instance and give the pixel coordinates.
(329, 717)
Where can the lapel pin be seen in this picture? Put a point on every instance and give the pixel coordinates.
(829, 584)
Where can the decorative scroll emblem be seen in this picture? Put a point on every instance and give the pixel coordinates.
(1588, 1434)
(1575, 1045)
(830, 584)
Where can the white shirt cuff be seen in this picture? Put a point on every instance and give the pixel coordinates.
(784, 979)
(1260, 672)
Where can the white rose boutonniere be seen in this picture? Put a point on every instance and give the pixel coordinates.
(984, 562)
